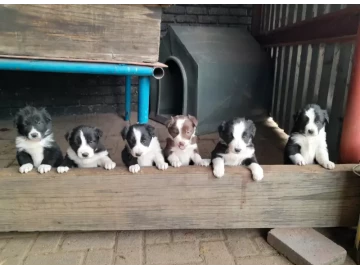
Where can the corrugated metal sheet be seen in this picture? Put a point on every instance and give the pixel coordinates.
(313, 73)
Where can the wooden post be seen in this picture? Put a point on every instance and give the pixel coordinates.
(350, 137)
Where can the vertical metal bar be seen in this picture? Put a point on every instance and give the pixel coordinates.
(144, 98)
(280, 16)
(318, 72)
(276, 78)
(333, 76)
(324, 85)
(287, 15)
(127, 98)
(286, 91)
(266, 17)
(293, 93)
(276, 11)
(271, 12)
(350, 139)
(280, 83)
(307, 74)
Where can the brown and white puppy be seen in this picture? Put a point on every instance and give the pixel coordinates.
(181, 145)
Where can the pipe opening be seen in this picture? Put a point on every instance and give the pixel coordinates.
(158, 73)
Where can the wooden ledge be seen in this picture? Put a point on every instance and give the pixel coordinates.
(184, 198)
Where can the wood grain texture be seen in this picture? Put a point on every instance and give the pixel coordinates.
(184, 198)
(124, 33)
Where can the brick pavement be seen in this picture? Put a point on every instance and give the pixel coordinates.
(243, 246)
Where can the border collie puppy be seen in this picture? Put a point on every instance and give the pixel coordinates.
(181, 145)
(142, 148)
(35, 144)
(236, 148)
(86, 150)
(307, 141)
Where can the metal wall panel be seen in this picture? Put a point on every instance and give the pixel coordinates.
(309, 73)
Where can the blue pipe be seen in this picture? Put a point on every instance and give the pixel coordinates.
(127, 98)
(75, 67)
(144, 99)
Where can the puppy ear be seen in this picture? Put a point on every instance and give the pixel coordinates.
(326, 116)
(169, 122)
(124, 132)
(46, 115)
(221, 127)
(251, 127)
(151, 130)
(193, 119)
(67, 136)
(98, 133)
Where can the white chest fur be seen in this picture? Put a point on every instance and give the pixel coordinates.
(148, 158)
(92, 162)
(310, 145)
(232, 159)
(34, 148)
(184, 155)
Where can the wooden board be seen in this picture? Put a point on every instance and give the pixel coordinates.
(184, 198)
(125, 33)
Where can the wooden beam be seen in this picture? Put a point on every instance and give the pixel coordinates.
(184, 198)
(339, 26)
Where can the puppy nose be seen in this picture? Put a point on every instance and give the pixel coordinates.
(85, 154)
(237, 150)
(181, 144)
(310, 131)
(137, 154)
(33, 135)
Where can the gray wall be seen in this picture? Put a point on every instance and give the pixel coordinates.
(65, 94)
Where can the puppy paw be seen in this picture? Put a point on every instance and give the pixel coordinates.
(109, 165)
(26, 168)
(44, 168)
(176, 163)
(62, 169)
(257, 173)
(299, 160)
(219, 171)
(204, 162)
(134, 168)
(329, 165)
(162, 166)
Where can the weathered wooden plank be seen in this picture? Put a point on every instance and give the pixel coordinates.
(88, 32)
(184, 198)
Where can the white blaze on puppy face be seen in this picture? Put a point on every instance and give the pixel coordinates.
(85, 150)
(311, 128)
(34, 135)
(238, 144)
(182, 131)
(139, 148)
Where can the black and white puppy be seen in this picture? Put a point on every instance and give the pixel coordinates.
(142, 148)
(307, 141)
(236, 148)
(35, 143)
(86, 150)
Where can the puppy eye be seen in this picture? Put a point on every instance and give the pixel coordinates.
(188, 132)
(244, 135)
(91, 142)
(143, 140)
